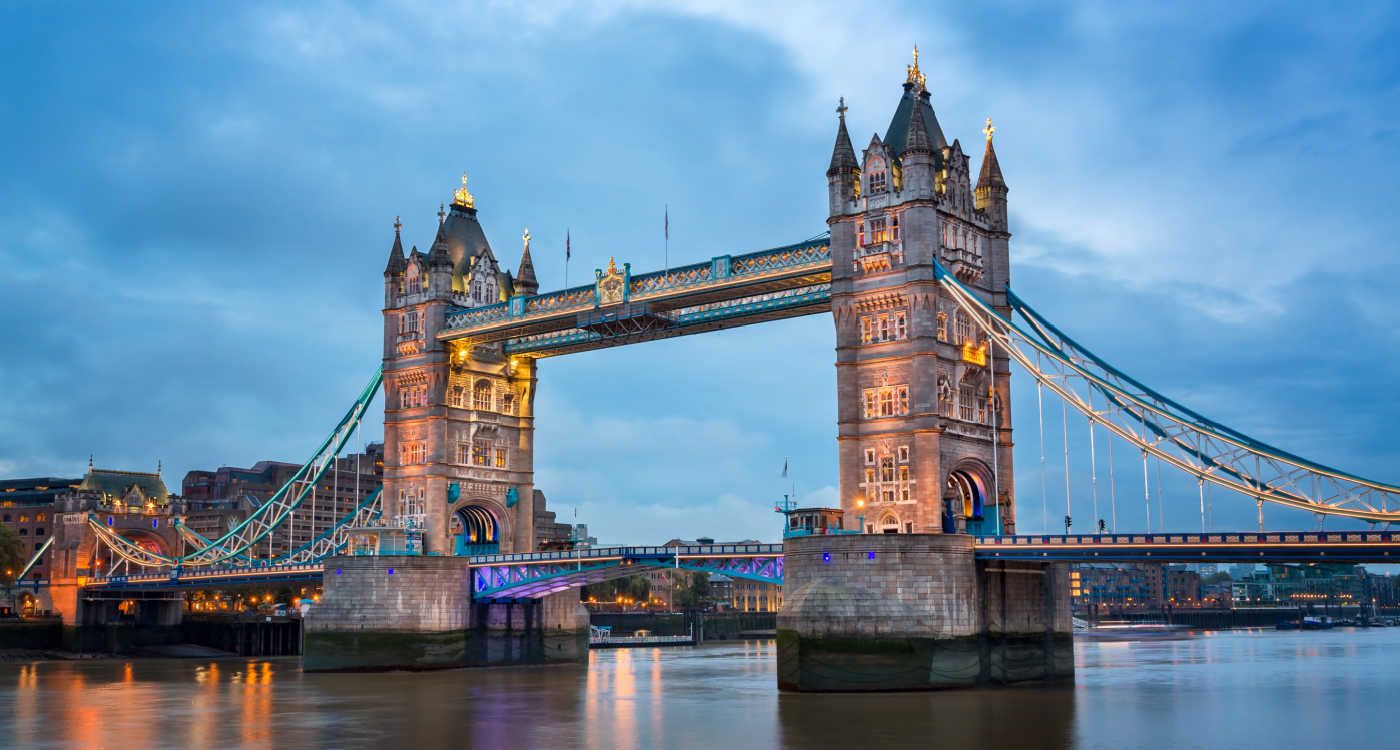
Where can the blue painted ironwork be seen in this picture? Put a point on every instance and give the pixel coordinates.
(526, 576)
(811, 256)
(1274, 546)
(815, 295)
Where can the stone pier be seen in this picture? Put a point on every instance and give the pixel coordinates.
(870, 612)
(414, 613)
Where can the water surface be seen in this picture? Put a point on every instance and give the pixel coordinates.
(1242, 689)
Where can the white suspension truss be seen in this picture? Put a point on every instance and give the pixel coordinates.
(1194, 444)
(234, 546)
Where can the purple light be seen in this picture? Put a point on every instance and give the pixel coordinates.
(870, 555)
(337, 571)
(391, 571)
(826, 557)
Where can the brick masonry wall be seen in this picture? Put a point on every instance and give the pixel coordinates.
(921, 585)
(423, 595)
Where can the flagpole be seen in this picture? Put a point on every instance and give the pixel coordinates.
(668, 238)
(567, 252)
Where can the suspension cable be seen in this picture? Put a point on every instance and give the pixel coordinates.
(1146, 493)
(1044, 492)
(1161, 503)
(1112, 485)
(1093, 469)
(1064, 423)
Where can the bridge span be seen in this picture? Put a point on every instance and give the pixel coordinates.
(536, 575)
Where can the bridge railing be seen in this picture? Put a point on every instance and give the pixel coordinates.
(605, 553)
(206, 574)
(1268, 538)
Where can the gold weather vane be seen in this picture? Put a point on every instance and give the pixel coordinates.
(989, 130)
(462, 197)
(915, 76)
(526, 237)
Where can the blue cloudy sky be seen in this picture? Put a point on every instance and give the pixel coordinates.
(196, 204)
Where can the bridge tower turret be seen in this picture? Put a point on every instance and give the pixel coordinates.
(924, 437)
(458, 418)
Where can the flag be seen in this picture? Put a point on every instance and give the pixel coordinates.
(785, 468)
(668, 223)
(568, 251)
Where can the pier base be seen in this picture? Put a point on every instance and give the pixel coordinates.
(384, 613)
(917, 612)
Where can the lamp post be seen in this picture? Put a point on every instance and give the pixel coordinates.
(860, 506)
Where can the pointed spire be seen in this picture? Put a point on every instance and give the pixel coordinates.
(438, 254)
(397, 262)
(990, 176)
(89, 462)
(917, 142)
(525, 281)
(843, 156)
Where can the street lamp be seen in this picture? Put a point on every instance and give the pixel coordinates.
(860, 506)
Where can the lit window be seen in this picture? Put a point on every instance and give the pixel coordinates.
(967, 403)
(481, 395)
(500, 458)
(885, 401)
(964, 326)
(877, 181)
(860, 233)
(879, 230)
(481, 453)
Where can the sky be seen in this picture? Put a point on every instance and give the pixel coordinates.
(197, 200)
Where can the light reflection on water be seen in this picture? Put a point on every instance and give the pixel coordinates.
(1260, 689)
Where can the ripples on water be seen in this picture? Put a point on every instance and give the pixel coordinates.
(1260, 689)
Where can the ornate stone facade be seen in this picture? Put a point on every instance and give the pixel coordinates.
(924, 430)
(458, 417)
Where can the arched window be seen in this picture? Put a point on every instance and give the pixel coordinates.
(889, 524)
(481, 395)
(508, 403)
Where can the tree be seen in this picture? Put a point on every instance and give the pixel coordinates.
(696, 594)
(12, 556)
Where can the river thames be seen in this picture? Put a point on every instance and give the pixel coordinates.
(1240, 689)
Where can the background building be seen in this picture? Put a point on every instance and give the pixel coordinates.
(216, 500)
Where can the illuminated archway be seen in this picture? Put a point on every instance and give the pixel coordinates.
(967, 487)
(475, 531)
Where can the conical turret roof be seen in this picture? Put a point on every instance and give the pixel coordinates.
(990, 176)
(843, 155)
(397, 262)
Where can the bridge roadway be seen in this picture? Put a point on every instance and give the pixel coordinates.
(533, 575)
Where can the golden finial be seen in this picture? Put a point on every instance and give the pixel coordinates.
(612, 265)
(915, 76)
(989, 130)
(526, 237)
(462, 197)
(398, 225)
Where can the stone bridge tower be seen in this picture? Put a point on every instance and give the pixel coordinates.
(924, 424)
(458, 419)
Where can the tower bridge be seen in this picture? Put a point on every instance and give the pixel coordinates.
(442, 567)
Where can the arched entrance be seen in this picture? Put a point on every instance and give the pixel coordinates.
(889, 524)
(969, 493)
(475, 531)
